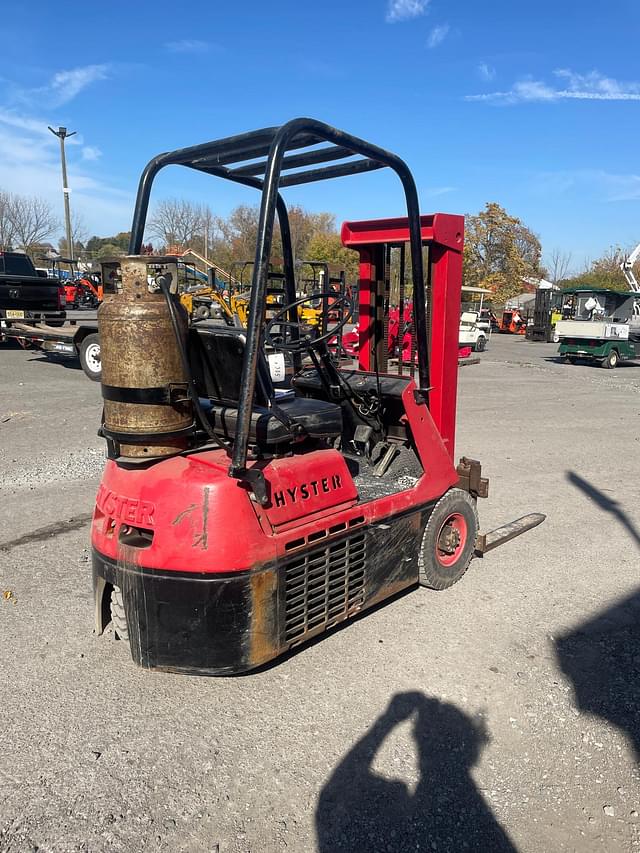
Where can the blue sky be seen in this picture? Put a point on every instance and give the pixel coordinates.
(535, 106)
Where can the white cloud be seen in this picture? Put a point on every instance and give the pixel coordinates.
(187, 46)
(90, 152)
(30, 165)
(437, 35)
(591, 183)
(66, 85)
(486, 72)
(61, 88)
(582, 87)
(404, 10)
(435, 191)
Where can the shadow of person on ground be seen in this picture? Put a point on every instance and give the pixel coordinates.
(601, 659)
(359, 810)
(605, 503)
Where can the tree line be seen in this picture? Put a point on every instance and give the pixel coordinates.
(231, 240)
(501, 253)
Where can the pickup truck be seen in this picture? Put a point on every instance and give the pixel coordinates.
(27, 295)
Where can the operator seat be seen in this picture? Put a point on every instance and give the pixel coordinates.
(216, 355)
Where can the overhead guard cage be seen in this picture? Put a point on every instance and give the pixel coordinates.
(260, 159)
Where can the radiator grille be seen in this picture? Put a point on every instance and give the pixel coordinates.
(324, 586)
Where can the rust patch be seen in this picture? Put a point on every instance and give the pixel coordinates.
(262, 642)
(390, 590)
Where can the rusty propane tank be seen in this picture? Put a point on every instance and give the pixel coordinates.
(147, 410)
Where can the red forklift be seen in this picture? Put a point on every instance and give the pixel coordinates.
(235, 521)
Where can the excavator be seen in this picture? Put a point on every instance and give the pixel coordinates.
(200, 293)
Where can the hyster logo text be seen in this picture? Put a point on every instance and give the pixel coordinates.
(129, 510)
(305, 491)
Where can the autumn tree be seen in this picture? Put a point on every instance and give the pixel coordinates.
(329, 248)
(603, 272)
(105, 247)
(236, 235)
(305, 225)
(500, 252)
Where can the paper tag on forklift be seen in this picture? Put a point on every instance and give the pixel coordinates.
(277, 366)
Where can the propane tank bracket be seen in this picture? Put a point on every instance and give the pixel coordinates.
(162, 395)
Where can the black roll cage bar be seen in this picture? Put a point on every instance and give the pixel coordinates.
(269, 147)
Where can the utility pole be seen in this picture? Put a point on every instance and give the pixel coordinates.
(62, 134)
(206, 223)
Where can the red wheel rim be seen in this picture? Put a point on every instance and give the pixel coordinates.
(452, 538)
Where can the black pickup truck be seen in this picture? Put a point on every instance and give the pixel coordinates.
(27, 295)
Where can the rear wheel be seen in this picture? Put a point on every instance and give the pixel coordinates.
(449, 540)
(611, 359)
(90, 357)
(118, 616)
(481, 344)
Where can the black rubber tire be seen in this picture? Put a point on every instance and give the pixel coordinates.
(481, 344)
(432, 573)
(202, 312)
(87, 347)
(55, 324)
(611, 360)
(118, 616)
(568, 359)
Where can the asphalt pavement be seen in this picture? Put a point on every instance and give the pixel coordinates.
(502, 714)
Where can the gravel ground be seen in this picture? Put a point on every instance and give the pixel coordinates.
(502, 714)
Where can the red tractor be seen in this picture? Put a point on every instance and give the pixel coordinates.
(235, 521)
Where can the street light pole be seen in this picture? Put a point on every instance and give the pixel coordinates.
(62, 134)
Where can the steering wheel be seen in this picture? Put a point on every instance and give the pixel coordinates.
(277, 334)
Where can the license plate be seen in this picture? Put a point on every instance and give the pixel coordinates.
(12, 314)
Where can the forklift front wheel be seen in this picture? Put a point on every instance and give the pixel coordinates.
(449, 540)
(118, 616)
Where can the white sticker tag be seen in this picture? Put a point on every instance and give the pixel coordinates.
(276, 366)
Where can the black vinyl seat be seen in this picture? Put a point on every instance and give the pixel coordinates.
(391, 387)
(216, 354)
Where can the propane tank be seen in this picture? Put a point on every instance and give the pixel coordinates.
(147, 410)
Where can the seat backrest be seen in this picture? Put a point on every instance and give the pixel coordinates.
(216, 354)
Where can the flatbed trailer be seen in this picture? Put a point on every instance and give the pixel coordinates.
(78, 339)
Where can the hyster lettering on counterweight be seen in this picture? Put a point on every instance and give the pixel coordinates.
(305, 491)
(128, 510)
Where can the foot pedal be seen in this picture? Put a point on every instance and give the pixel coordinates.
(385, 461)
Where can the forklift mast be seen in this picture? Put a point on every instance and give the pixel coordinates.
(438, 302)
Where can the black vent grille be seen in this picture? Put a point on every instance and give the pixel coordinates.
(324, 586)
